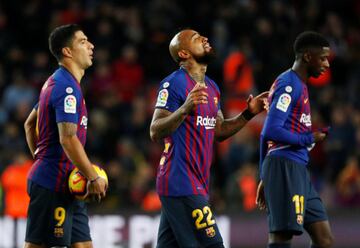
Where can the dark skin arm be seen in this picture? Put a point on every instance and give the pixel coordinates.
(164, 122)
(225, 128)
(76, 153)
(30, 131)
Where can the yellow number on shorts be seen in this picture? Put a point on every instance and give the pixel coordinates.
(199, 215)
(299, 203)
(59, 215)
(209, 219)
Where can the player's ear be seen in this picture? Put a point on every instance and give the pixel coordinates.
(307, 57)
(183, 54)
(66, 51)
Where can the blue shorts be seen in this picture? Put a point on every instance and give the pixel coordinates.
(55, 219)
(187, 222)
(290, 197)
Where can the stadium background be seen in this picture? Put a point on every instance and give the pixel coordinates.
(253, 40)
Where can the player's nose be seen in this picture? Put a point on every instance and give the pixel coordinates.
(326, 64)
(91, 45)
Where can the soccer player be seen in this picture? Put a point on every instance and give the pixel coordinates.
(188, 118)
(56, 133)
(285, 189)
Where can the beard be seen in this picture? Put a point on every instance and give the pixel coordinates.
(314, 73)
(206, 58)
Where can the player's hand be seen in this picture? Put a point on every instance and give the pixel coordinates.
(259, 103)
(97, 189)
(196, 96)
(319, 136)
(260, 196)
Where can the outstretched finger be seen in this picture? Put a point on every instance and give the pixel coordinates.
(249, 98)
(265, 94)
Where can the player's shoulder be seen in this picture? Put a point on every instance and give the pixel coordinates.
(65, 82)
(173, 80)
(288, 80)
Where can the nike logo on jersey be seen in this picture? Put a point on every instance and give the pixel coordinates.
(207, 122)
(306, 100)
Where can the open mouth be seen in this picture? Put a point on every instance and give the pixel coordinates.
(207, 46)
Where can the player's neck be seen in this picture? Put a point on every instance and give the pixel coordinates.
(196, 71)
(300, 70)
(74, 70)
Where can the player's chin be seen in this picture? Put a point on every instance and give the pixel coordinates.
(88, 64)
(317, 74)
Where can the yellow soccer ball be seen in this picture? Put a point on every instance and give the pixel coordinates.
(78, 182)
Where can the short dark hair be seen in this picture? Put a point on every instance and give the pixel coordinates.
(309, 39)
(61, 37)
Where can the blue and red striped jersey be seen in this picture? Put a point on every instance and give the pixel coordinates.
(184, 167)
(60, 100)
(287, 128)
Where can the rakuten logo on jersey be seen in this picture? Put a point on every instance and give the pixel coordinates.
(84, 121)
(306, 119)
(207, 122)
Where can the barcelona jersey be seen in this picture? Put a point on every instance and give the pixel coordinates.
(287, 129)
(184, 167)
(60, 100)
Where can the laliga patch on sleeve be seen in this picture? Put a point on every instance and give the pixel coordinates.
(162, 98)
(70, 104)
(283, 102)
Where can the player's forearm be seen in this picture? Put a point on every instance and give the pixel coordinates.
(30, 131)
(229, 127)
(275, 132)
(76, 153)
(30, 134)
(163, 127)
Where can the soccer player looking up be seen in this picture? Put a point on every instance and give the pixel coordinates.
(188, 118)
(56, 134)
(285, 189)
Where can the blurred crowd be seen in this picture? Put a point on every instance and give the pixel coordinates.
(253, 40)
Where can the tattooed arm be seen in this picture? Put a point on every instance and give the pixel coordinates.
(76, 153)
(165, 122)
(225, 128)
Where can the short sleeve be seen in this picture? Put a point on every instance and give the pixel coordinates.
(284, 97)
(66, 100)
(36, 106)
(168, 97)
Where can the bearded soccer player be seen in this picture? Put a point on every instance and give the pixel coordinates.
(56, 134)
(285, 189)
(188, 118)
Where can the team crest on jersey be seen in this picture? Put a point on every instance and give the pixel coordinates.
(70, 104)
(215, 101)
(210, 232)
(300, 219)
(58, 232)
(162, 160)
(162, 98)
(283, 102)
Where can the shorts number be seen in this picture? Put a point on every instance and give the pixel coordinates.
(59, 215)
(199, 215)
(299, 203)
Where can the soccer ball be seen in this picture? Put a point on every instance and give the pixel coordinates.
(78, 182)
